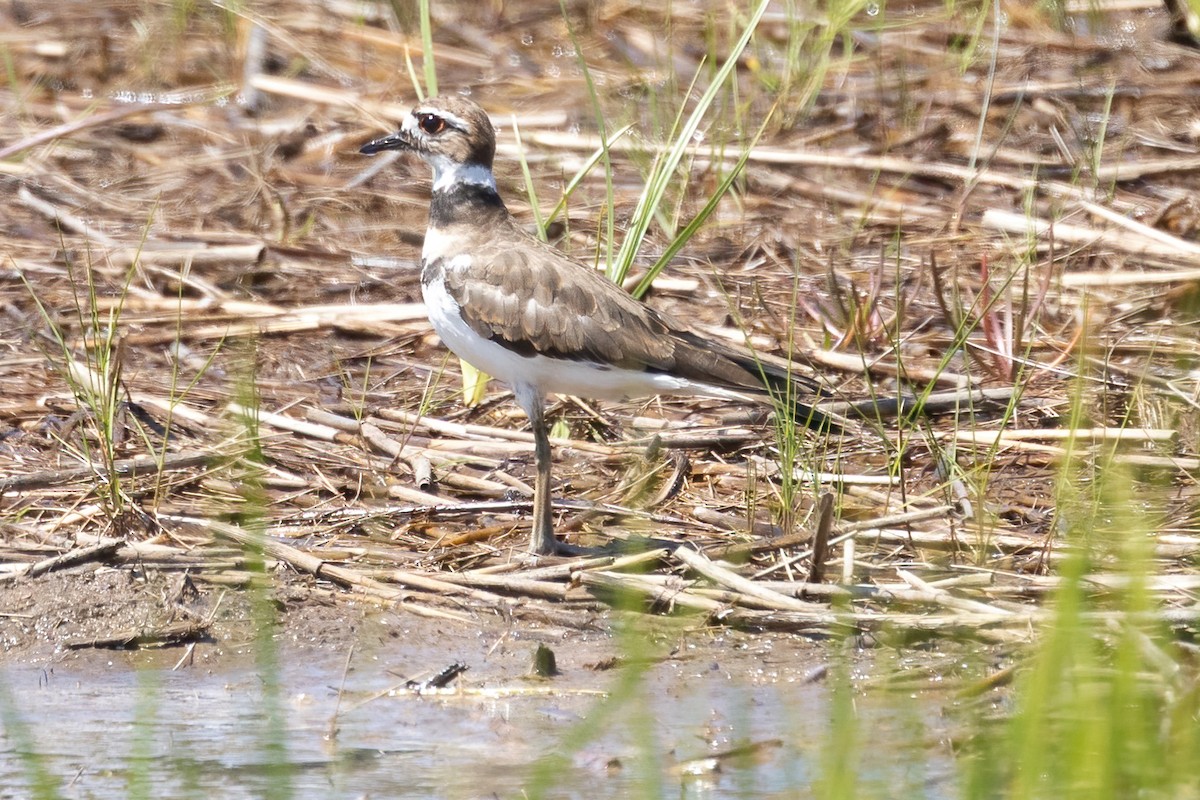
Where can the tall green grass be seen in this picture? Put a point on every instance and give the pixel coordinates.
(252, 516)
(95, 378)
(20, 740)
(1105, 706)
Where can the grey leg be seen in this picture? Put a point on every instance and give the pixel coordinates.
(542, 542)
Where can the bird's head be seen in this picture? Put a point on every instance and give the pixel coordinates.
(452, 134)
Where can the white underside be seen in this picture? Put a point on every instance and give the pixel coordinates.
(541, 375)
(436, 245)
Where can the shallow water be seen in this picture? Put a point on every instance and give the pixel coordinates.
(99, 732)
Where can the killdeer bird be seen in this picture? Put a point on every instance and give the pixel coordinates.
(521, 311)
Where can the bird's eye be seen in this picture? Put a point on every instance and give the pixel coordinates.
(431, 123)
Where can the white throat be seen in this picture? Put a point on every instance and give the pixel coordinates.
(447, 174)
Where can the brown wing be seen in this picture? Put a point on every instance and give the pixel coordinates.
(533, 299)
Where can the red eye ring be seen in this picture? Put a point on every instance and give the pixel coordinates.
(431, 123)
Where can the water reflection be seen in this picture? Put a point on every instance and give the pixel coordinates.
(197, 733)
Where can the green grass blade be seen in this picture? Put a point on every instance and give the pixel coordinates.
(530, 191)
(599, 154)
(663, 171)
(431, 84)
(683, 237)
(602, 127)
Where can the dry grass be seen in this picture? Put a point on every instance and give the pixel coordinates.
(917, 211)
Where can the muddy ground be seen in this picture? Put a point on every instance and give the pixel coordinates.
(215, 372)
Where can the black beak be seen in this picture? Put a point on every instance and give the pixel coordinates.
(393, 141)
